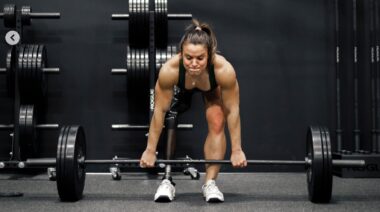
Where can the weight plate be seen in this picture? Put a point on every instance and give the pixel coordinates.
(161, 24)
(32, 71)
(25, 15)
(34, 66)
(71, 174)
(140, 23)
(132, 23)
(9, 15)
(41, 64)
(10, 66)
(133, 67)
(146, 62)
(22, 65)
(27, 139)
(138, 66)
(27, 81)
(327, 164)
(318, 172)
(164, 35)
(130, 74)
(146, 23)
(28, 72)
(140, 69)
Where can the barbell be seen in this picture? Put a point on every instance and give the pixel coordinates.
(71, 162)
(9, 15)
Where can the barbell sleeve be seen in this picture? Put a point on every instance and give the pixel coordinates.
(180, 16)
(120, 16)
(38, 126)
(170, 16)
(35, 15)
(41, 15)
(40, 162)
(120, 71)
(51, 70)
(348, 163)
(47, 126)
(45, 70)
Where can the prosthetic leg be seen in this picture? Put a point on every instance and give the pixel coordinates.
(180, 103)
(171, 125)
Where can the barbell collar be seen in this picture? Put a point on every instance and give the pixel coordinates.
(145, 127)
(45, 15)
(38, 126)
(119, 71)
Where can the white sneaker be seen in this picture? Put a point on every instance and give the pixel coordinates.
(165, 192)
(211, 192)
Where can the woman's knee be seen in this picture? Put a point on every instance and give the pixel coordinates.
(215, 120)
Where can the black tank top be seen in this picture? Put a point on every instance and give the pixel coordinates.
(181, 78)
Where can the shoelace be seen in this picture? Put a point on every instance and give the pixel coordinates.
(212, 188)
(165, 185)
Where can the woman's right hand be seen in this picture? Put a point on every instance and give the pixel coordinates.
(148, 159)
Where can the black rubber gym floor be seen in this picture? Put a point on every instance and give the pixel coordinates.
(243, 192)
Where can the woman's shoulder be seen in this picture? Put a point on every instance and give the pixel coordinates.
(169, 71)
(224, 71)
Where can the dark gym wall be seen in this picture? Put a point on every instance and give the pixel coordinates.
(281, 51)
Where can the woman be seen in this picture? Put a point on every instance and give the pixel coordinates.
(199, 68)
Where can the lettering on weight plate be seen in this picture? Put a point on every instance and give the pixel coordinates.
(368, 167)
(337, 54)
(151, 99)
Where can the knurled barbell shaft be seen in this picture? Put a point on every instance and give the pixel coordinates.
(337, 163)
(45, 70)
(52, 162)
(170, 16)
(38, 126)
(136, 127)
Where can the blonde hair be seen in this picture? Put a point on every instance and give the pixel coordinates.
(200, 33)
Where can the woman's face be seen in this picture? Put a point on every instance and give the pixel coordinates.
(194, 58)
